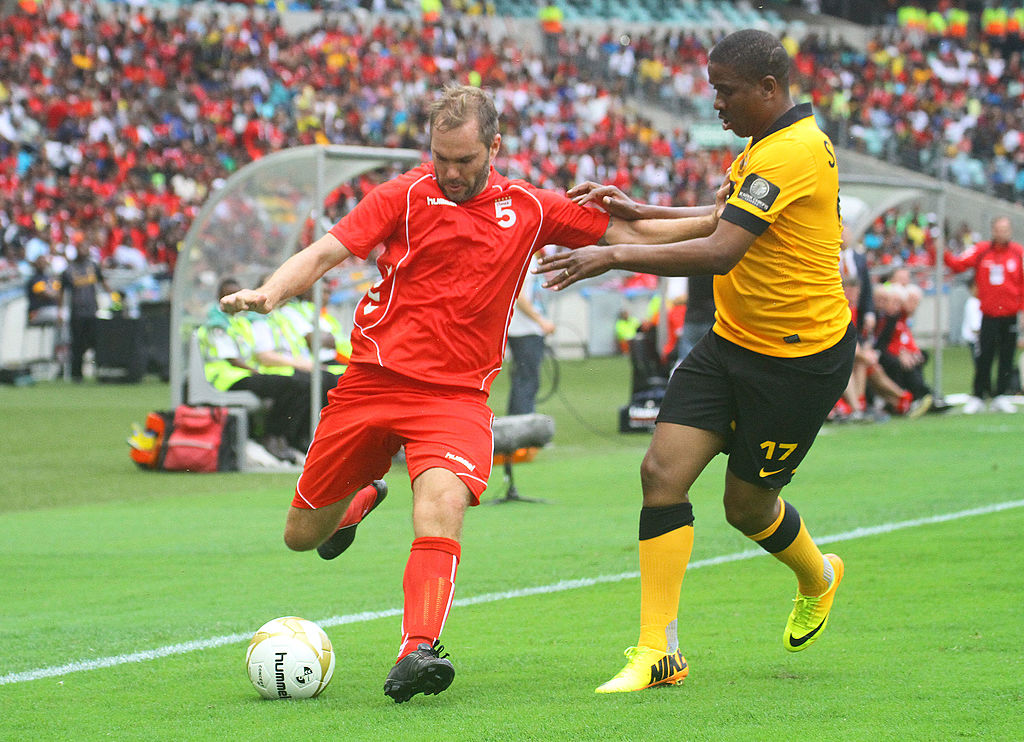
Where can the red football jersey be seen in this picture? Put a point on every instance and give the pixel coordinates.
(451, 272)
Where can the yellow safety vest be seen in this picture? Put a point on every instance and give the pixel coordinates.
(993, 21)
(247, 334)
(219, 371)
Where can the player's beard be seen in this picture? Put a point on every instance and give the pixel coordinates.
(470, 190)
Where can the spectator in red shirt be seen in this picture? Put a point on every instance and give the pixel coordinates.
(998, 265)
(899, 355)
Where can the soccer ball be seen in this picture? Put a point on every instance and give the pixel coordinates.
(289, 657)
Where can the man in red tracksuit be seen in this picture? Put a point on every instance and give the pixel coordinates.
(999, 274)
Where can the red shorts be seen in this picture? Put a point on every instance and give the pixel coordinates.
(374, 412)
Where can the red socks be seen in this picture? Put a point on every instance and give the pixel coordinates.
(429, 585)
(361, 504)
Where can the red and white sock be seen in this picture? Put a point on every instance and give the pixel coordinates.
(361, 504)
(429, 586)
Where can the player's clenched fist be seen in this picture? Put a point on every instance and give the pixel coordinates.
(246, 300)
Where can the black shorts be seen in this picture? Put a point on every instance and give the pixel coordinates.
(768, 409)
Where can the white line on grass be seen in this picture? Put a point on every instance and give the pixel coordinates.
(219, 641)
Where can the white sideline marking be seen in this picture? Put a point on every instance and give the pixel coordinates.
(219, 641)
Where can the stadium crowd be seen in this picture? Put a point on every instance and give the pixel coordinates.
(937, 91)
(114, 125)
(117, 121)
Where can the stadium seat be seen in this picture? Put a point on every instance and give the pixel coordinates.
(39, 348)
(200, 391)
(25, 347)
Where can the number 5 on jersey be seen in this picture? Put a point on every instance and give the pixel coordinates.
(503, 211)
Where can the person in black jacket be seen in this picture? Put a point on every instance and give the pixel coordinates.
(81, 280)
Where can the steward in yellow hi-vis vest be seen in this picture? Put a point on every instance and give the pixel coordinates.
(785, 298)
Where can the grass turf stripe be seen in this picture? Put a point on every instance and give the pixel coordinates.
(561, 586)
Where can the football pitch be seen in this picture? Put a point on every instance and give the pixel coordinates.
(127, 598)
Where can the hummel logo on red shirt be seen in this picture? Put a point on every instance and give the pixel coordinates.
(434, 201)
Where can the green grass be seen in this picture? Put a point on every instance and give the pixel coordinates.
(99, 559)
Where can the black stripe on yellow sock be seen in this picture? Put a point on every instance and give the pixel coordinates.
(656, 522)
(785, 533)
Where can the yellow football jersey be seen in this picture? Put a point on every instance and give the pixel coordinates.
(785, 296)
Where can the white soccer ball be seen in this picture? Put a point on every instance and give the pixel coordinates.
(289, 657)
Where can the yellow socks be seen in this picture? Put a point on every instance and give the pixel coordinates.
(666, 541)
(788, 541)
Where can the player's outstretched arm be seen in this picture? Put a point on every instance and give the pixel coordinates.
(294, 277)
(663, 224)
(716, 254)
(608, 197)
(660, 230)
(619, 205)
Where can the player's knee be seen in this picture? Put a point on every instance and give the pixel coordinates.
(750, 513)
(654, 475)
(446, 507)
(298, 539)
(656, 482)
(440, 512)
(737, 516)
